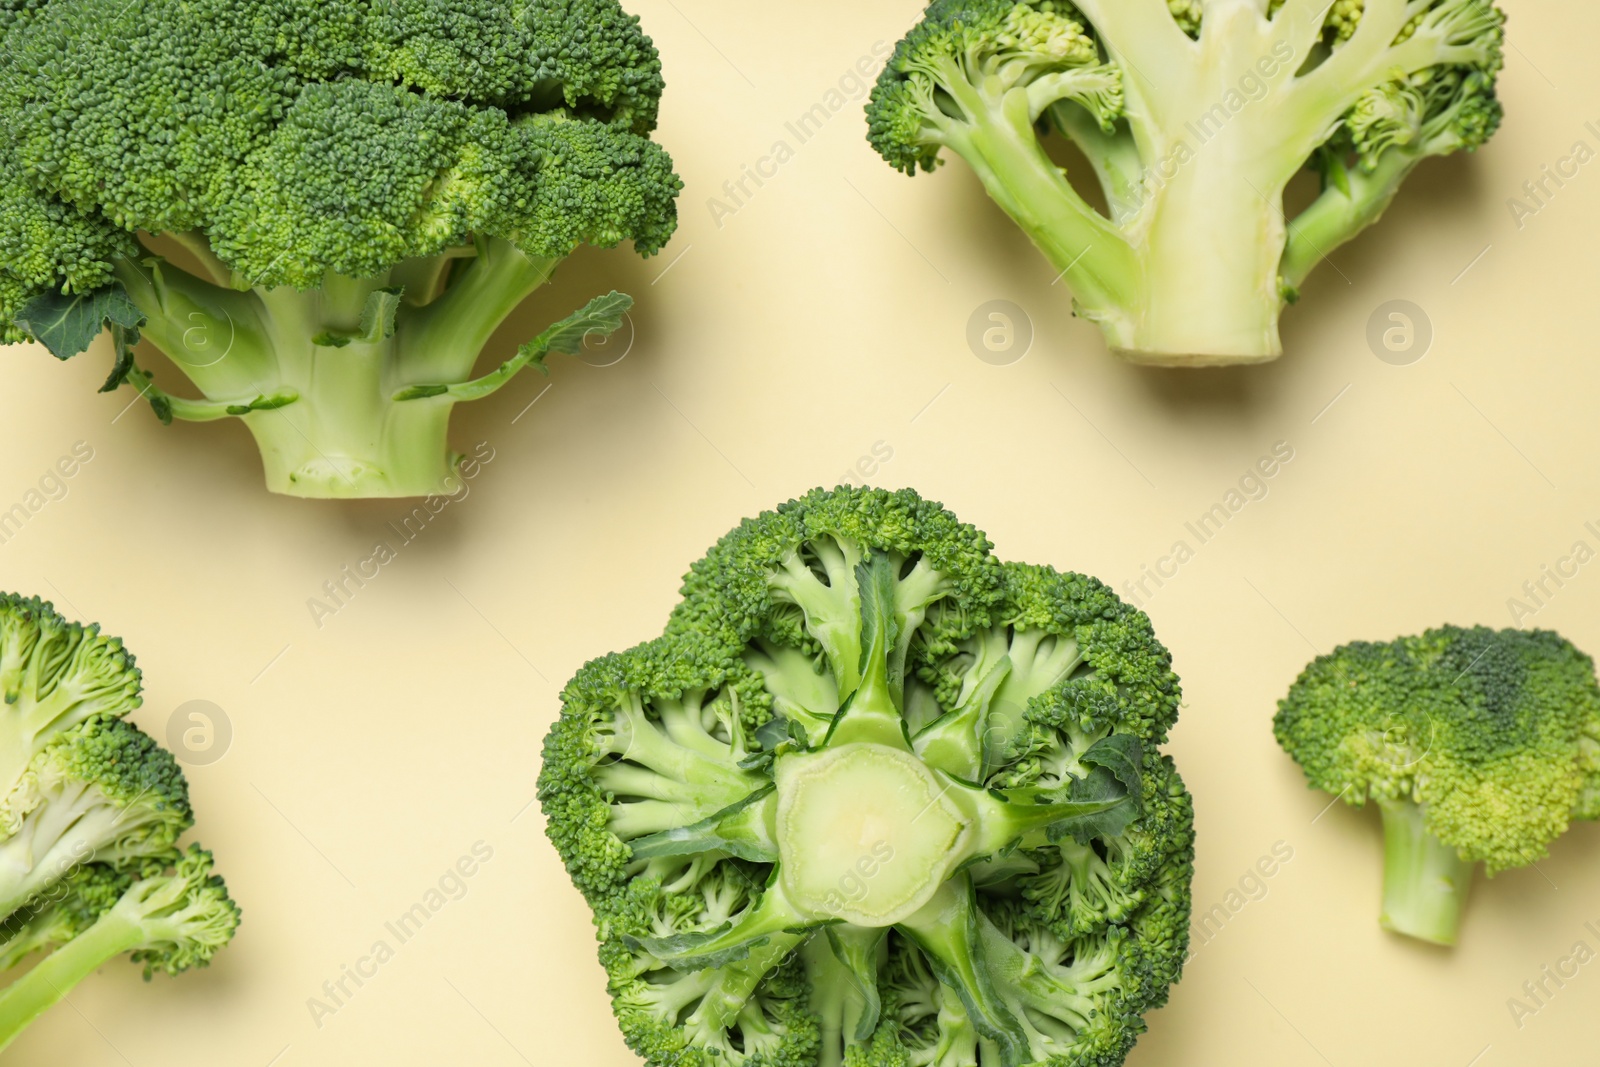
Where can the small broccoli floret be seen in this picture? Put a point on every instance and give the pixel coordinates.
(813, 833)
(90, 816)
(1193, 118)
(1477, 746)
(359, 194)
(55, 676)
(176, 916)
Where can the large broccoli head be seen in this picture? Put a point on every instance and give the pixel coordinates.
(413, 168)
(1193, 118)
(1477, 745)
(875, 797)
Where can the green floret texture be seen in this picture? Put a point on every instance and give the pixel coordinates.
(1192, 119)
(877, 799)
(350, 197)
(91, 812)
(1479, 744)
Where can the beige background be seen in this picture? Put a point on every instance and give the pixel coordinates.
(828, 314)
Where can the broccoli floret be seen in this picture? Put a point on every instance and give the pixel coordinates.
(55, 676)
(1194, 118)
(103, 789)
(875, 799)
(353, 197)
(90, 816)
(1477, 746)
(176, 916)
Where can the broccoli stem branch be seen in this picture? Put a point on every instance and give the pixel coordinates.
(441, 341)
(29, 996)
(1425, 882)
(1004, 151)
(206, 410)
(1337, 216)
(845, 1001)
(948, 931)
(196, 244)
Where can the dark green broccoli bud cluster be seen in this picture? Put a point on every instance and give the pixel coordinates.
(91, 810)
(877, 799)
(1478, 746)
(1193, 120)
(352, 195)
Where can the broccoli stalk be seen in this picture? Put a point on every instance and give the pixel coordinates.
(361, 197)
(348, 388)
(1425, 881)
(170, 921)
(1193, 125)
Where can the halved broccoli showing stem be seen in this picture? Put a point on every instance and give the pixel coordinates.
(877, 799)
(1193, 117)
(91, 810)
(362, 194)
(1477, 745)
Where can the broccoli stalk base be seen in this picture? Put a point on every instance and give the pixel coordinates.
(345, 438)
(31, 995)
(348, 388)
(1425, 882)
(1194, 281)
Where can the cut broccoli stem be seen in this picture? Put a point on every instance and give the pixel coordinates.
(865, 832)
(1210, 263)
(1425, 882)
(315, 374)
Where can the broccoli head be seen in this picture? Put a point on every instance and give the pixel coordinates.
(354, 196)
(91, 810)
(1478, 746)
(1193, 118)
(877, 799)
